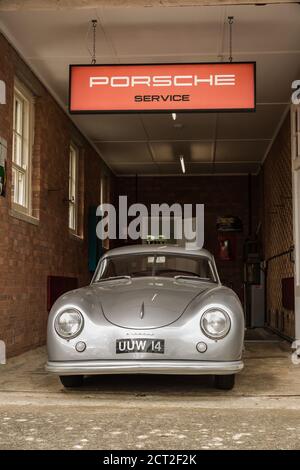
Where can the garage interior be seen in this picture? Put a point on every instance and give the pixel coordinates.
(237, 164)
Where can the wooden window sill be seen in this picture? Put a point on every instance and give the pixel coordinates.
(23, 216)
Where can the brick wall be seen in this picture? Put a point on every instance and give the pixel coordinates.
(276, 179)
(222, 195)
(30, 252)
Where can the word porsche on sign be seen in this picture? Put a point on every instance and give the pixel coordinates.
(159, 81)
(162, 87)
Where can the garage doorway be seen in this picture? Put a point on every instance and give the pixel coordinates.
(238, 165)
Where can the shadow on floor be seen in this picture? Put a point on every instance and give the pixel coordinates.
(149, 384)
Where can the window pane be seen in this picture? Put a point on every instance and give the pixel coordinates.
(21, 189)
(19, 193)
(72, 216)
(73, 182)
(17, 150)
(21, 146)
(70, 176)
(151, 264)
(14, 185)
(18, 124)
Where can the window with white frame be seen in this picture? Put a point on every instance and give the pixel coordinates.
(73, 188)
(23, 120)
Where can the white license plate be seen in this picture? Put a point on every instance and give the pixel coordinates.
(140, 345)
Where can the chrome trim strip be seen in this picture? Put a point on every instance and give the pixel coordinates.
(144, 367)
(142, 312)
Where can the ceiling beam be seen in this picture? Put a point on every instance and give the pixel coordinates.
(11, 5)
(172, 141)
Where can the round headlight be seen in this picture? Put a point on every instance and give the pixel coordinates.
(69, 323)
(215, 323)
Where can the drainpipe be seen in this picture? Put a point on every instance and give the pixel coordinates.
(249, 205)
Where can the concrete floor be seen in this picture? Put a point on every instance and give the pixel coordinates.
(153, 412)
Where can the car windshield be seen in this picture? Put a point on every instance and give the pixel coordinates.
(154, 264)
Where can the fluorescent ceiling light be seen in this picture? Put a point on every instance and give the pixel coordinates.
(182, 163)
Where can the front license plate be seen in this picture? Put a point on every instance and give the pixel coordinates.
(140, 345)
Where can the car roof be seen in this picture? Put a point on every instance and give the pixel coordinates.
(149, 248)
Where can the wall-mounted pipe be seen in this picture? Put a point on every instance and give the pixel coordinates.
(249, 205)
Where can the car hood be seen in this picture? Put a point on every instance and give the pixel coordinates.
(151, 302)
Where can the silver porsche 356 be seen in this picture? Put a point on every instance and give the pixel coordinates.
(149, 309)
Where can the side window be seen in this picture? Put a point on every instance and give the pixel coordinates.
(23, 122)
(73, 188)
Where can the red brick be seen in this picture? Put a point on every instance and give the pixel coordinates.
(29, 253)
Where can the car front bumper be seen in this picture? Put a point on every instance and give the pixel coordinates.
(144, 367)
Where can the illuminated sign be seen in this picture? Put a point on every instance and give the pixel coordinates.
(162, 87)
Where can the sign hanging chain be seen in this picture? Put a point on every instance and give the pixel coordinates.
(94, 25)
(230, 22)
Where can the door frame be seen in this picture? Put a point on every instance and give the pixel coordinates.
(295, 154)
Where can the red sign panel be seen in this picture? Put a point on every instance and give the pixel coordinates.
(162, 87)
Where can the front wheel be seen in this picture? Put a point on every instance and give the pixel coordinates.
(225, 382)
(70, 381)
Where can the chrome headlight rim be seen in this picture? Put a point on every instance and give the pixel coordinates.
(56, 323)
(228, 320)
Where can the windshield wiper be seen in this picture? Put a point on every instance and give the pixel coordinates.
(184, 276)
(113, 278)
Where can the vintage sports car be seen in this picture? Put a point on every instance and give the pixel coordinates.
(150, 309)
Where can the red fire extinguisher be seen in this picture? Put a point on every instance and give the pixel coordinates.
(224, 250)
